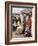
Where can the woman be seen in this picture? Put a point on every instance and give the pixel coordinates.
(28, 27)
(19, 26)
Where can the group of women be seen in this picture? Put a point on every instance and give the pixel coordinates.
(22, 27)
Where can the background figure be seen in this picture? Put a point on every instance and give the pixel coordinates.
(28, 26)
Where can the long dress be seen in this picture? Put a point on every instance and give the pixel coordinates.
(19, 28)
(28, 28)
